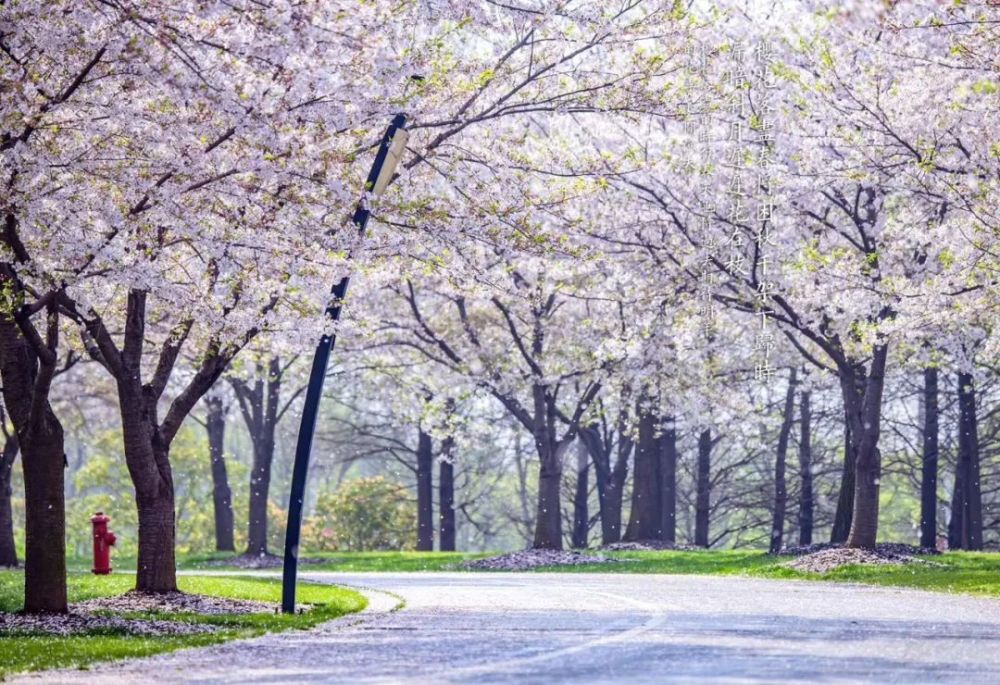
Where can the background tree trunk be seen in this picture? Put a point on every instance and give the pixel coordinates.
(610, 479)
(805, 471)
(548, 520)
(929, 470)
(8, 550)
(965, 529)
(581, 518)
(446, 496)
(425, 493)
(781, 455)
(703, 498)
(668, 482)
(222, 496)
(866, 416)
(845, 500)
(259, 407)
(644, 518)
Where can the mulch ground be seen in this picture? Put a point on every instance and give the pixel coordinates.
(826, 557)
(98, 615)
(533, 558)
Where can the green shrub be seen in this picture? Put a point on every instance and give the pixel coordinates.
(361, 515)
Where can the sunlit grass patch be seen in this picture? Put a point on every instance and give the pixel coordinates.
(35, 652)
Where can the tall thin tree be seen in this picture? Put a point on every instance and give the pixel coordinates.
(929, 467)
(780, 460)
(805, 469)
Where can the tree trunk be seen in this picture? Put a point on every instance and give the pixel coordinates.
(43, 460)
(866, 418)
(215, 425)
(610, 480)
(611, 528)
(845, 500)
(581, 518)
(259, 406)
(149, 466)
(929, 470)
(645, 516)
(8, 551)
(425, 493)
(148, 463)
(965, 529)
(446, 497)
(781, 457)
(805, 471)
(668, 482)
(155, 567)
(548, 521)
(704, 489)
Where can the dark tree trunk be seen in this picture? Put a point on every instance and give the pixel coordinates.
(780, 460)
(805, 471)
(668, 482)
(645, 516)
(581, 518)
(222, 496)
(26, 382)
(865, 413)
(845, 500)
(425, 493)
(548, 519)
(155, 567)
(8, 551)
(148, 462)
(703, 497)
(965, 529)
(929, 470)
(610, 479)
(611, 527)
(446, 497)
(259, 407)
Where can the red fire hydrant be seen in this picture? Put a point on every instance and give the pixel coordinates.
(103, 539)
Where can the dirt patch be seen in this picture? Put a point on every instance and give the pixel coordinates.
(533, 558)
(833, 557)
(174, 603)
(98, 615)
(75, 623)
(898, 549)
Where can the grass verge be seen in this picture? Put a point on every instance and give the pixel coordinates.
(975, 573)
(357, 561)
(32, 652)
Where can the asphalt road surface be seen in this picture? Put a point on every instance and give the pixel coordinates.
(603, 628)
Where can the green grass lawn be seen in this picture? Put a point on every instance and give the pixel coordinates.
(24, 652)
(356, 561)
(967, 572)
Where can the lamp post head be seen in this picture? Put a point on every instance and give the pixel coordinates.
(394, 145)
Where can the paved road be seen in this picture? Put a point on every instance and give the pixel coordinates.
(596, 628)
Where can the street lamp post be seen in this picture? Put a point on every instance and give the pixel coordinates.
(386, 160)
